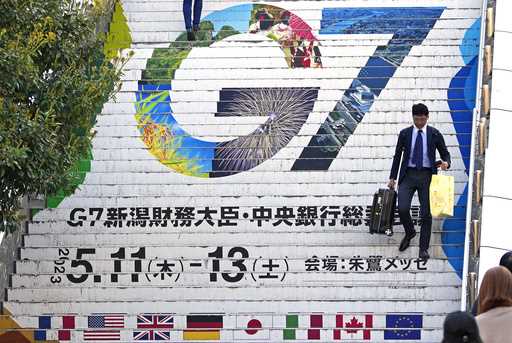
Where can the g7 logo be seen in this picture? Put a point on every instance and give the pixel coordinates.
(283, 109)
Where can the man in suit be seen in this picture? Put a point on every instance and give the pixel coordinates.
(416, 148)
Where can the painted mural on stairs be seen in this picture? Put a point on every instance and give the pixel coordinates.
(230, 182)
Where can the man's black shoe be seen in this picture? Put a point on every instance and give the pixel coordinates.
(424, 255)
(406, 241)
(191, 36)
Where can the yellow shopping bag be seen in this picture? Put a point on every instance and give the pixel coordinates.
(442, 195)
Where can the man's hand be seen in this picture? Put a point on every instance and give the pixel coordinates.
(444, 165)
(391, 183)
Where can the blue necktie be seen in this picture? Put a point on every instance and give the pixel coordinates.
(417, 157)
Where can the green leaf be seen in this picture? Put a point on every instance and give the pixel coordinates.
(55, 80)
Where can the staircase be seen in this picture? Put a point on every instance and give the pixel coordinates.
(228, 190)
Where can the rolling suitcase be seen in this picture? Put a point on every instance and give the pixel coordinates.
(382, 213)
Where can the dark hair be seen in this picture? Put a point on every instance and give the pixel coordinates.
(506, 260)
(460, 327)
(419, 110)
(496, 289)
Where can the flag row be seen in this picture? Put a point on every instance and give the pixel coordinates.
(220, 327)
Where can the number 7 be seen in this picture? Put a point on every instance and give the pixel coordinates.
(409, 26)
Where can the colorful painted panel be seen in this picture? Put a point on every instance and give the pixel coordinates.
(230, 190)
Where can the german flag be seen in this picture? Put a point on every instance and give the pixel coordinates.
(203, 327)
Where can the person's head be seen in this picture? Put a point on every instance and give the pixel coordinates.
(506, 261)
(419, 115)
(495, 290)
(460, 327)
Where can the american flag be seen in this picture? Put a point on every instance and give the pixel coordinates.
(157, 327)
(103, 325)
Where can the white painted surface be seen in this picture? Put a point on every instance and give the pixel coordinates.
(125, 174)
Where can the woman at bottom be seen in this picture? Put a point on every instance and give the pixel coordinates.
(495, 306)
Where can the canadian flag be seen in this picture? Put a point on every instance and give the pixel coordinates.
(353, 327)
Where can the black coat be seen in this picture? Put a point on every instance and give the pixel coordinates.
(435, 141)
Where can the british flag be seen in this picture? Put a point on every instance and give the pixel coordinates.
(156, 327)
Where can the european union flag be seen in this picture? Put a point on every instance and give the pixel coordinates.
(403, 326)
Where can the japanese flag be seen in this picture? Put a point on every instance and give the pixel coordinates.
(351, 327)
(253, 327)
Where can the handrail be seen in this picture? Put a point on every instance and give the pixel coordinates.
(476, 119)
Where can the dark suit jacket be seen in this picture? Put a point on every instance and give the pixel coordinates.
(435, 141)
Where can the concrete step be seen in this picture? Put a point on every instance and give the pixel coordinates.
(172, 224)
(361, 238)
(269, 189)
(135, 154)
(231, 321)
(135, 307)
(205, 99)
(145, 19)
(447, 43)
(207, 102)
(279, 251)
(286, 293)
(182, 265)
(138, 6)
(172, 22)
(137, 53)
(375, 177)
(112, 119)
(439, 82)
(436, 35)
(232, 325)
(450, 4)
(134, 141)
(337, 62)
(124, 164)
(409, 278)
(101, 202)
(224, 336)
